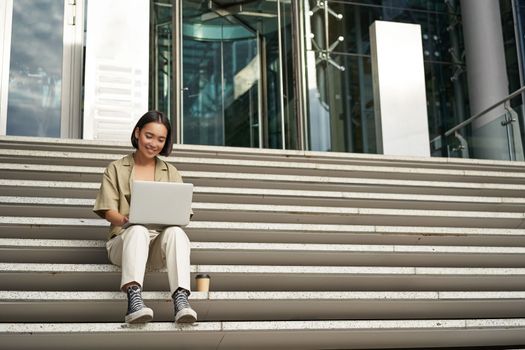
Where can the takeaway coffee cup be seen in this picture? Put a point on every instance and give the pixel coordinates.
(203, 283)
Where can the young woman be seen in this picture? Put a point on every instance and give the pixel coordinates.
(135, 247)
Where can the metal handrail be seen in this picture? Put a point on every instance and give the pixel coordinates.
(476, 116)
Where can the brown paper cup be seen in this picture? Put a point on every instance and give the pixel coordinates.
(203, 283)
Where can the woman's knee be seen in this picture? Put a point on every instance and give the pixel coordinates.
(136, 232)
(177, 233)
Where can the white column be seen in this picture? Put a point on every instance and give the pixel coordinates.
(400, 102)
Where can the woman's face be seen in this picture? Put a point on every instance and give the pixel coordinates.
(151, 139)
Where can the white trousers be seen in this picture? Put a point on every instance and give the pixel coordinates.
(138, 247)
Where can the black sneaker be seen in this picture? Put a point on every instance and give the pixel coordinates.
(183, 311)
(137, 311)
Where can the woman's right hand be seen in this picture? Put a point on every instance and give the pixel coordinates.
(116, 218)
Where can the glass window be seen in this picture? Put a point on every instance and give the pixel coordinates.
(341, 108)
(35, 76)
(161, 60)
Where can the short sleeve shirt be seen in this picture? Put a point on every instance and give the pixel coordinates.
(115, 189)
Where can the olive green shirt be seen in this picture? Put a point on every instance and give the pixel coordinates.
(115, 189)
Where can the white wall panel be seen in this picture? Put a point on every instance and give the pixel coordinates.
(117, 64)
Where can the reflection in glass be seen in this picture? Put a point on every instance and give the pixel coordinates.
(341, 107)
(35, 78)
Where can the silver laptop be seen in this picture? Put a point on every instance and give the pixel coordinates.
(160, 204)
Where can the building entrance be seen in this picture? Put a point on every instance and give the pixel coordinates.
(236, 72)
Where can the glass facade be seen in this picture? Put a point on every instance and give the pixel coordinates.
(341, 91)
(513, 18)
(266, 73)
(513, 13)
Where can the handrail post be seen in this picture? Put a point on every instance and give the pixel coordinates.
(513, 126)
(507, 123)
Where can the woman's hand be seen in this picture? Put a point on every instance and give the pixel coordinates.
(116, 218)
(124, 220)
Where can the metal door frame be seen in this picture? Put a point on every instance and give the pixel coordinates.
(6, 13)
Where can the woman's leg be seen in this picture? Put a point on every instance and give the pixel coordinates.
(130, 251)
(172, 249)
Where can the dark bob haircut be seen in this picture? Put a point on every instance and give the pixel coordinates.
(154, 117)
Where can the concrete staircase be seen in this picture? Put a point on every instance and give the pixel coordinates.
(306, 251)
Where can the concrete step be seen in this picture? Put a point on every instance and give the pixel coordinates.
(80, 277)
(53, 228)
(52, 176)
(78, 207)
(119, 147)
(333, 334)
(264, 232)
(46, 172)
(283, 196)
(105, 306)
(226, 253)
(306, 250)
(273, 167)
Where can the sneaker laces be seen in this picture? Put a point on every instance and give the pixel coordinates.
(181, 299)
(135, 301)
